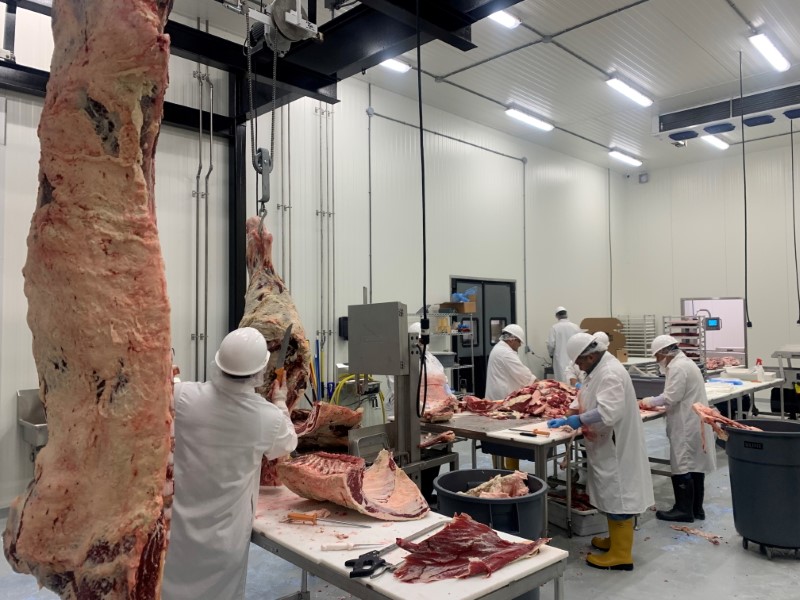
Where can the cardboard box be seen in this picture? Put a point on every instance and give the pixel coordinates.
(622, 355)
(611, 326)
(459, 307)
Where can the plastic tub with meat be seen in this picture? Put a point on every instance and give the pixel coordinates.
(765, 483)
(520, 516)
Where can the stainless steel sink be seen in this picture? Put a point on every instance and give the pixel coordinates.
(31, 418)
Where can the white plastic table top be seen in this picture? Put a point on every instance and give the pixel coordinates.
(303, 539)
(557, 436)
(638, 361)
(719, 392)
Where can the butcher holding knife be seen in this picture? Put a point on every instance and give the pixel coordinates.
(222, 429)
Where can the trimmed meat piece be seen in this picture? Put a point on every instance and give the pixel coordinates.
(512, 485)
(462, 549)
(270, 309)
(325, 425)
(439, 406)
(382, 491)
(431, 439)
(94, 521)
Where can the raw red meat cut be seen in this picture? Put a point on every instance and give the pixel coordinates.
(443, 438)
(325, 425)
(712, 416)
(94, 522)
(270, 309)
(382, 491)
(439, 405)
(512, 485)
(462, 549)
(545, 398)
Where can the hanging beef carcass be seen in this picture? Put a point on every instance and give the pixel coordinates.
(382, 490)
(270, 309)
(93, 523)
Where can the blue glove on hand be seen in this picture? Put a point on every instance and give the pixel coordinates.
(574, 421)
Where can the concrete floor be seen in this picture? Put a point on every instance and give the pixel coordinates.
(668, 564)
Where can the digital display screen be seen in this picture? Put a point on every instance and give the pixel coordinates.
(713, 323)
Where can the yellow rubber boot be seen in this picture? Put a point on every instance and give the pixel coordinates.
(601, 543)
(619, 556)
(512, 464)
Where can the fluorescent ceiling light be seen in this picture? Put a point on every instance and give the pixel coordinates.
(764, 45)
(627, 159)
(715, 141)
(529, 119)
(505, 19)
(396, 65)
(626, 90)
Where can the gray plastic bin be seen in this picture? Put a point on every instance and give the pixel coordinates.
(765, 482)
(521, 516)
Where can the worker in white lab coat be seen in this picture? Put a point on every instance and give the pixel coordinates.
(222, 429)
(619, 482)
(689, 462)
(557, 343)
(433, 367)
(505, 372)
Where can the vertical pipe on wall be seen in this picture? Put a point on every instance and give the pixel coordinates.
(205, 218)
(370, 113)
(333, 240)
(610, 250)
(282, 205)
(525, 249)
(289, 185)
(328, 261)
(320, 323)
(197, 198)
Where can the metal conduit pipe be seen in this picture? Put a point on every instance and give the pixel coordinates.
(370, 114)
(333, 238)
(282, 205)
(320, 322)
(196, 335)
(289, 184)
(328, 258)
(205, 218)
(525, 249)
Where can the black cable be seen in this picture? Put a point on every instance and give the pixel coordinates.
(794, 220)
(744, 182)
(424, 323)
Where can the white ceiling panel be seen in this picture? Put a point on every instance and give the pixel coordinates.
(551, 17)
(777, 17)
(548, 81)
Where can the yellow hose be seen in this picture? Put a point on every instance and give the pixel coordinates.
(338, 391)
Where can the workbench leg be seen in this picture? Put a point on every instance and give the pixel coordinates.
(303, 594)
(474, 454)
(540, 468)
(558, 587)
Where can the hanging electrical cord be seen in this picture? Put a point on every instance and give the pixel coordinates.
(424, 322)
(794, 220)
(744, 182)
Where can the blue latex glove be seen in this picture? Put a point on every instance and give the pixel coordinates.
(574, 421)
(578, 385)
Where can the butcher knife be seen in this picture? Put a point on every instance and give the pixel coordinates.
(280, 371)
(368, 563)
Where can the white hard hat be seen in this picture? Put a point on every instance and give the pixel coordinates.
(602, 336)
(415, 328)
(577, 344)
(516, 331)
(661, 342)
(242, 352)
(560, 309)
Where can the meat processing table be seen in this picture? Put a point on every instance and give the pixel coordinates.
(721, 392)
(503, 433)
(300, 545)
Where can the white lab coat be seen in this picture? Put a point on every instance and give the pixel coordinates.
(685, 386)
(433, 366)
(222, 429)
(557, 346)
(505, 372)
(618, 470)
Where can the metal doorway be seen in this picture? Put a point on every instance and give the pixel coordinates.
(496, 307)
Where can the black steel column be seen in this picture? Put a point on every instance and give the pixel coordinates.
(237, 213)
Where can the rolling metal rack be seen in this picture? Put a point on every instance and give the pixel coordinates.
(639, 332)
(690, 331)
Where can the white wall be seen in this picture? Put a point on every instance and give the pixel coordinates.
(685, 238)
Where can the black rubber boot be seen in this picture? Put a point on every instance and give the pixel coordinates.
(682, 512)
(699, 480)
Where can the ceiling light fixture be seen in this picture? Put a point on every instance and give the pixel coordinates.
(505, 19)
(396, 65)
(764, 45)
(715, 141)
(626, 158)
(528, 119)
(626, 90)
